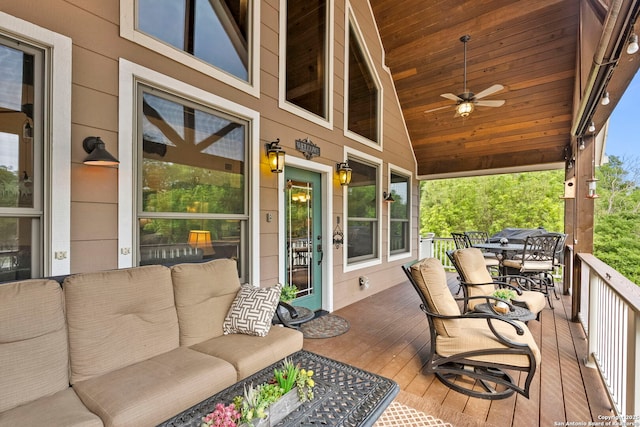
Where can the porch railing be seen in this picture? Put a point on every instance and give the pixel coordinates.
(610, 314)
(438, 249)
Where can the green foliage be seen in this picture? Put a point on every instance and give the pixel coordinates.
(288, 293)
(616, 238)
(504, 294)
(492, 203)
(286, 377)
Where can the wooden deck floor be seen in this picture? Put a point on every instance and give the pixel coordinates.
(389, 336)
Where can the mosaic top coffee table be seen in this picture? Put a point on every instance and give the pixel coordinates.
(343, 395)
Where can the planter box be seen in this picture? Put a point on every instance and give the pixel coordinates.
(283, 407)
(278, 410)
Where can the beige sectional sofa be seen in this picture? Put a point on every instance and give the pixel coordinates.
(129, 347)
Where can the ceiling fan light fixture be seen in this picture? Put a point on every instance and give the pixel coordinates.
(464, 108)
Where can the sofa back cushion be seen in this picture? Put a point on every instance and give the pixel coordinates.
(34, 357)
(204, 293)
(118, 318)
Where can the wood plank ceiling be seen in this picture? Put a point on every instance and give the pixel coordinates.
(527, 46)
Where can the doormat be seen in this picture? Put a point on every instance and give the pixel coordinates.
(327, 326)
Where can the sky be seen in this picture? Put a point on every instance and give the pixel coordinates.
(623, 137)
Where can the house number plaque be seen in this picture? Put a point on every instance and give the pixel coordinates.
(308, 148)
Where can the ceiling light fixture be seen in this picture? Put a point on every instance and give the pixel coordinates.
(581, 146)
(592, 127)
(632, 47)
(605, 98)
(464, 108)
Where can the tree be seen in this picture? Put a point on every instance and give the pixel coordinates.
(492, 203)
(616, 238)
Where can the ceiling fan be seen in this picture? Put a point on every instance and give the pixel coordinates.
(466, 101)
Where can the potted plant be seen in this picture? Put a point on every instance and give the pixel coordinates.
(505, 296)
(288, 293)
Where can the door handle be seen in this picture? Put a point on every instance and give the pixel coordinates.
(320, 253)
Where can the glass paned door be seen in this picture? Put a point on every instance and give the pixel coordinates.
(303, 231)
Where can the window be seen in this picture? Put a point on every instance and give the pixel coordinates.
(399, 213)
(21, 160)
(362, 212)
(306, 55)
(215, 37)
(193, 195)
(363, 92)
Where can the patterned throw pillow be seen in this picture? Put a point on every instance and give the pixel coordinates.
(252, 311)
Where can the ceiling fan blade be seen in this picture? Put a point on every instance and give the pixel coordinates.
(439, 108)
(489, 91)
(451, 97)
(491, 103)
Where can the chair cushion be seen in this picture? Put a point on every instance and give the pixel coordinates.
(249, 354)
(473, 268)
(203, 293)
(529, 266)
(252, 311)
(431, 278)
(118, 318)
(154, 390)
(534, 300)
(63, 408)
(34, 356)
(475, 335)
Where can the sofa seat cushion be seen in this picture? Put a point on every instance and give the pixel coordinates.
(60, 409)
(249, 354)
(475, 335)
(151, 391)
(34, 356)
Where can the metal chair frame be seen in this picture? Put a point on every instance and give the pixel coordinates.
(446, 369)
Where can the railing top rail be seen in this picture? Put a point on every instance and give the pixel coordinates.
(625, 288)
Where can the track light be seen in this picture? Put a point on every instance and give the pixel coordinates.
(632, 47)
(605, 98)
(592, 127)
(581, 146)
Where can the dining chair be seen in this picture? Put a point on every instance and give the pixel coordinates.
(537, 262)
(469, 238)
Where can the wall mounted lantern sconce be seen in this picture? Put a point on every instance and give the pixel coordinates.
(633, 47)
(344, 173)
(387, 197)
(275, 154)
(98, 154)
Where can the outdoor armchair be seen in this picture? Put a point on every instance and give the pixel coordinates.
(476, 281)
(480, 346)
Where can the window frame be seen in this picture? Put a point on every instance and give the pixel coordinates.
(130, 76)
(396, 170)
(128, 11)
(329, 79)
(351, 22)
(358, 156)
(56, 146)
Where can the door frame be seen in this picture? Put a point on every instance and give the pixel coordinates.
(326, 180)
